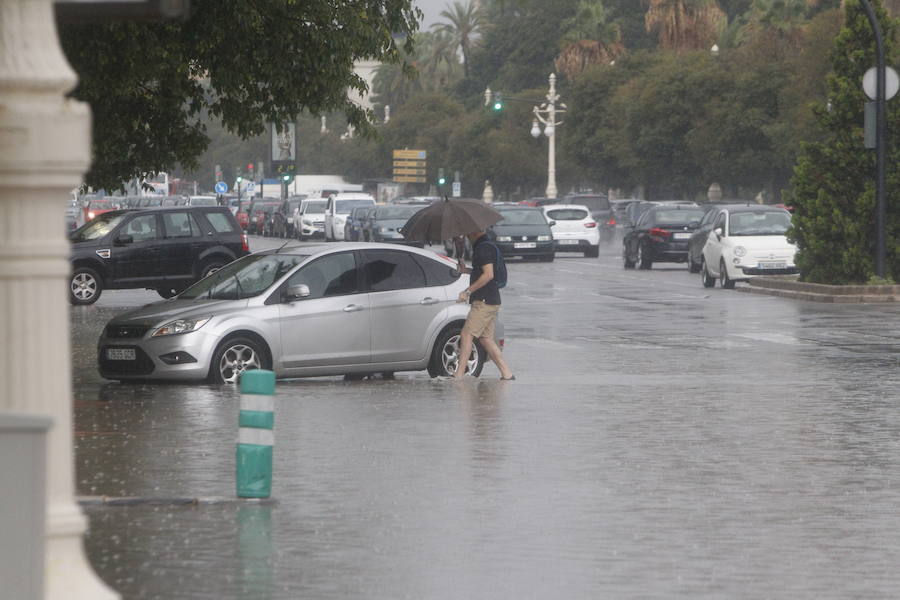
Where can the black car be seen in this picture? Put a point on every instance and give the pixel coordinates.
(525, 232)
(601, 211)
(353, 228)
(164, 249)
(661, 235)
(698, 237)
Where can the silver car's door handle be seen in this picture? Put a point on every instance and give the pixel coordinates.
(352, 308)
(429, 300)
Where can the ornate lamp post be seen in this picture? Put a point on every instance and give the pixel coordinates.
(546, 113)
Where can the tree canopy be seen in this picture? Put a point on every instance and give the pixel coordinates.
(153, 86)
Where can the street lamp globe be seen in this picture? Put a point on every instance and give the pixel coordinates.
(549, 129)
(535, 130)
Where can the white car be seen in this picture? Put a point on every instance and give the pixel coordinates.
(574, 229)
(338, 209)
(746, 241)
(309, 218)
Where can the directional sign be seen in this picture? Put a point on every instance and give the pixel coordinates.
(221, 187)
(409, 154)
(250, 187)
(409, 163)
(406, 171)
(408, 179)
(457, 189)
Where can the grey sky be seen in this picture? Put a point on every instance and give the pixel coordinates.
(432, 10)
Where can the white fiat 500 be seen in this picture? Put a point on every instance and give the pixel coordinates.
(574, 229)
(746, 241)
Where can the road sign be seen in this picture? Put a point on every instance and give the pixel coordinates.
(410, 154)
(221, 187)
(409, 163)
(891, 83)
(250, 187)
(407, 171)
(457, 189)
(408, 179)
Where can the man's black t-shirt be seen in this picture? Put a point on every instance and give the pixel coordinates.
(484, 253)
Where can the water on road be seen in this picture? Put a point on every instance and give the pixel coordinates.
(662, 440)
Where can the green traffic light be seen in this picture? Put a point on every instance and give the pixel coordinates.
(239, 179)
(498, 105)
(442, 181)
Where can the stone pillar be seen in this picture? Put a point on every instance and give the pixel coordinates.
(44, 152)
(714, 193)
(488, 194)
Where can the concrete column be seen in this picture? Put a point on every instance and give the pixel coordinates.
(44, 152)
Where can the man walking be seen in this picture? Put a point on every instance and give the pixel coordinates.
(483, 296)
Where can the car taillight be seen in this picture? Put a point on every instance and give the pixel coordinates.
(590, 224)
(656, 232)
(245, 242)
(612, 221)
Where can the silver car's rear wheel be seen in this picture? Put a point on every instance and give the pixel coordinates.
(235, 356)
(445, 357)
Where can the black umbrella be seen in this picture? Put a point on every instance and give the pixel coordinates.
(448, 219)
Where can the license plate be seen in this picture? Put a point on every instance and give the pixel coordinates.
(772, 265)
(120, 354)
(682, 236)
(568, 242)
(525, 245)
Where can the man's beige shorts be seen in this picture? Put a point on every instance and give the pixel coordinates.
(480, 322)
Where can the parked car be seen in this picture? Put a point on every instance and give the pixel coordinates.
(698, 237)
(352, 309)
(338, 208)
(747, 241)
(165, 249)
(353, 226)
(601, 211)
(574, 229)
(311, 217)
(383, 223)
(660, 235)
(202, 201)
(524, 231)
(97, 206)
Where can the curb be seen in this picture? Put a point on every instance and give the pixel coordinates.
(789, 287)
(149, 501)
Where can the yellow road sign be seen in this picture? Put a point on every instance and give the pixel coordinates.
(419, 164)
(408, 179)
(409, 154)
(407, 171)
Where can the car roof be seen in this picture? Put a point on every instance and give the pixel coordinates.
(547, 207)
(754, 208)
(323, 249)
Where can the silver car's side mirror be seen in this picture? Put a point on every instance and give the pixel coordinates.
(295, 292)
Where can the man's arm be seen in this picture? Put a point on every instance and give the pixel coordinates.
(487, 274)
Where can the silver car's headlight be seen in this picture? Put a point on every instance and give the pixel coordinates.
(739, 251)
(180, 326)
(504, 238)
(543, 238)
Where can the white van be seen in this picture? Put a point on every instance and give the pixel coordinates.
(338, 209)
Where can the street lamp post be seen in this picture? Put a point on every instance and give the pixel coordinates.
(546, 113)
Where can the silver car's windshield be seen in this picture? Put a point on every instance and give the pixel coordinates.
(99, 227)
(244, 278)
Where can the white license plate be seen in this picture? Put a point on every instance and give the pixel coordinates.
(120, 354)
(525, 245)
(568, 242)
(772, 265)
(682, 236)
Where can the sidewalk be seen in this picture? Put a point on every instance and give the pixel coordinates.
(787, 286)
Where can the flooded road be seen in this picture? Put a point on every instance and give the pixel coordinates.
(662, 440)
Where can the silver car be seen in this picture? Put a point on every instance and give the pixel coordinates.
(354, 309)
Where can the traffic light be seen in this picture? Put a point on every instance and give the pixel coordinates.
(498, 102)
(250, 171)
(287, 178)
(441, 179)
(239, 179)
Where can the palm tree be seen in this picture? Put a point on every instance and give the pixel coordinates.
(782, 18)
(437, 60)
(463, 23)
(590, 38)
(685, 24)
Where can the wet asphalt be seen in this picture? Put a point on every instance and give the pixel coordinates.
(661, 440)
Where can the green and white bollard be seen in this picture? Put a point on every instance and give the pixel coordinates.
(255, 436)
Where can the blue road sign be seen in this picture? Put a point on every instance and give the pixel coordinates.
(221, 187)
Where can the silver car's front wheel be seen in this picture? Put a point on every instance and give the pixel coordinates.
(233, 358)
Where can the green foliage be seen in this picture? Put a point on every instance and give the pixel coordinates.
(832, 190)
(244, 63)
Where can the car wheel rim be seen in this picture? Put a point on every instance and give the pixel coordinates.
(236, 360)
(84, 287)
(450, 356)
